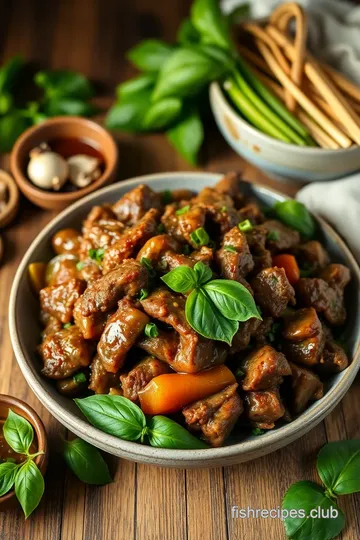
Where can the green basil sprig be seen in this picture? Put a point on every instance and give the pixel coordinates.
(86, 462)
(296, 215)
(213, 308)
(25, 476)
(319, 517)
(122, 418)
(150, 54)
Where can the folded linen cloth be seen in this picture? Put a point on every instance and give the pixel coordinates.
(334, 30)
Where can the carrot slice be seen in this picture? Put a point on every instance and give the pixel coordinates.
(289, 264)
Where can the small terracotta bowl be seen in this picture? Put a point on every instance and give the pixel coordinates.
(12, 205)
(40, 438)
(62, 127)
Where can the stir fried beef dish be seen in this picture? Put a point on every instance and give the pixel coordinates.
(112, 325)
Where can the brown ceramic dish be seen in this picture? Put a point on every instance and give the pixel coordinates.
(12, 204)
(21, 408)
(62, 127)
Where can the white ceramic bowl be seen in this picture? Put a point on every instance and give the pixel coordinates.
(25, 333)
(279, 159)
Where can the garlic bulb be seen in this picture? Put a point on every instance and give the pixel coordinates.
(83, 170)
(48, 170)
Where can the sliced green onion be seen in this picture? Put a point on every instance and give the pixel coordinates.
(239, 373)
(167, 197)
(230, 248)
(186, 249)
(200, 237)
(80, 265)
(160, 228)
(79, 378)
(258, 431)
(223, 209)
(144, 293)
(67, 325)
(144, 261)
(183, 210)
(245, 225)
(273, 236)
(97, 254)
(151, 330)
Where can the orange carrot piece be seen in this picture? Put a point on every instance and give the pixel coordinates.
(289, 264)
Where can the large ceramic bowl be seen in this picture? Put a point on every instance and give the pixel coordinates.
(25, 332)
(278, 159)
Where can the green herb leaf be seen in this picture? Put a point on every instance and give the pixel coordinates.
(148, 265)
(232, 299)
(206, 320)
(11, 127)
(80, 265)
(181, 279)
(187, 136)
(305, 497)
(186, 249)
(8, 472)
(58, 106)
(151, 330)
(64, 84)
(79, 378)
(183, 210)
(162, 113)
(338, 466)
(129, 113)
(9, 72)
(67, 325)
(97, 254)
(245, 225)
(127, 89)
(29, 487)
(6, 102)
(203, 273)
(18, 433)
(144, 293)
(200, 237)
(150, 54)
(115, 415)
(273, 236)
(231, 249)
(165, 433)
(258, 431)
(185, 73)
(166, 197)
(212, 25)
(86, 462)
(187, 33)
(295, 214)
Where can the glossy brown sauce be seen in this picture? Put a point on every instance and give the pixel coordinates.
(7, 453)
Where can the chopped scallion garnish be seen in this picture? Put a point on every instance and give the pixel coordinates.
(200, 237)
(151, 330)
(245, 225)
(183, 210)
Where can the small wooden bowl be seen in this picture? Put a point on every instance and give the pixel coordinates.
(12, 204)
(19, 407)
(62, 127)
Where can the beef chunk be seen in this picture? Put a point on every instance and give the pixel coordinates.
(102, 234)
(243, 336)
(59, 300)
(64, 353)
(333, 359)
(204, 255)
(103, 294)
(317, 293)
(305, 338)
(194, 353)
(131, 241)
(141, 375)
(70, 387)
(252, 212)
(136, 203)
(312, 255)
(306, 386)
(272, 291)
(264, 408)
(164, 346)
(305, 352)
(181, 226)
(236, 262)
(52, 324)
(215, 416)
(230, 185)
(61, 269)
(209, 196)
(336, 275)
(156, 248)
(178, 195)
(120, 333)
(280, 237)
(172, 260)
(92, 326)
(97, 214)
(262, 258)
(101, 380)
(265, 367)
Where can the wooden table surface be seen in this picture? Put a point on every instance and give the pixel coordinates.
(144, 502)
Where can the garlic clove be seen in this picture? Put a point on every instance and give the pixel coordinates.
(48, 170)
(83, 170)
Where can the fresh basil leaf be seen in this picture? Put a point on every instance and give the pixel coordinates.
(296, 215)
(187, 33)
(232, 299)
(181, 279)
(206, 320)
(86, 462)
(8, 472)
(212, 25)
(219, 55)
(18, 433)
(115, 415)
(11, 127)
(128, 88)
(186, 72)
(165, 433)
(64, 84)
(6, 102)
(128, 114)
(9, 72)
(150, 54)
(29, 487)
(338, 465)
(68, 107)
(187, 135)
(162, 113)
(203, 273)
(305, 497)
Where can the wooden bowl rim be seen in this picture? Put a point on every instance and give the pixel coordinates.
(11, 207)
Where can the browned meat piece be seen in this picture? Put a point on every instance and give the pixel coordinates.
(172, 260)
(272, 291)
(306, 352)
(66, 241)
(264, 408)
(204, 254)
(301, 324)
(101, 380)
(131, 241)
(136, 203)
(141, 375)
(64, 353)
(92, 326)
(164, 346)
(234, 257)
(178, 195)
(224, 217)
(215, 416)
(336, 275)
(306, 386)
(333, 359)
(317, 293)
(312, 255)
(265, 367)
(181, 226)
(279, 237)
(209, 196)
(262, 258)
(71, 387)
(156, 247)
(102, 234)
(194, 353)
(120, 334)
(52, 324)
(243, 336)
(61, 269)
(97, 214)
(104, 294)
(253, 213)
(59, 300)
(230, 185)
